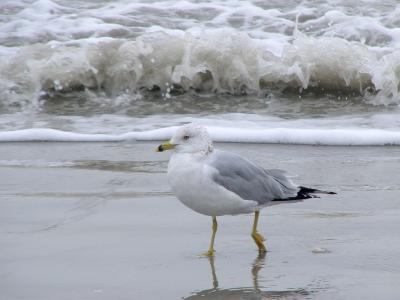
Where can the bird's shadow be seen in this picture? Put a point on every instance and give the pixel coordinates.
(255, 292)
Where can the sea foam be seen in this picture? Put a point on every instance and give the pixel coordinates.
(238, 47)
(329, 137)
(219, 60)
(222, 60)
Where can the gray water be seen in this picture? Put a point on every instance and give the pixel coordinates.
(117, 66)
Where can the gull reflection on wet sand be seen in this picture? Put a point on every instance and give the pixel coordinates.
(246, 293)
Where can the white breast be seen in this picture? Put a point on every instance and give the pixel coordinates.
(191, 180)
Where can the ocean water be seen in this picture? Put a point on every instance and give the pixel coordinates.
(302, 72)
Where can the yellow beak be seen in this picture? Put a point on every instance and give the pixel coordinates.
(164, 147)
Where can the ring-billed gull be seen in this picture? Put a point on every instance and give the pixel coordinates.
(216, 183)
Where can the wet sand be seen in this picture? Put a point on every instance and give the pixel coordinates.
(98, 221)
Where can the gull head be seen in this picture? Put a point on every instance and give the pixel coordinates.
(189, 138)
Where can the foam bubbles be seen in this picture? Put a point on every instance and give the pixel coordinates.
(331, 137)
(238, 48)
(220, 60)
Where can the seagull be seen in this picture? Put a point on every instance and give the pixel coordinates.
(216, 183)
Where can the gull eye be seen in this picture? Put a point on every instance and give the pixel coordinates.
(186, 137)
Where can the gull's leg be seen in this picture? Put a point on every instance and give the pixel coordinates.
(258, 238)
(211, 250)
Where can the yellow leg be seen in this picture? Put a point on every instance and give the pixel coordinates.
(258, 238)
(211, 250)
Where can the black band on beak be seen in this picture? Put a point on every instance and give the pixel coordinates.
(165, 147)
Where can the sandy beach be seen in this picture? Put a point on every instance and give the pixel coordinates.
(98, 221)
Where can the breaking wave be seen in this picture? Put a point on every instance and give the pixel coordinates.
(212, 60)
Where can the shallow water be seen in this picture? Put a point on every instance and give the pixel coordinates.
(98, 221)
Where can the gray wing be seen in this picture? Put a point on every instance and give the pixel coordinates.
(250, 181)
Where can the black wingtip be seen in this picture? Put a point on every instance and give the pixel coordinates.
(304, 189)
(308, 192)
